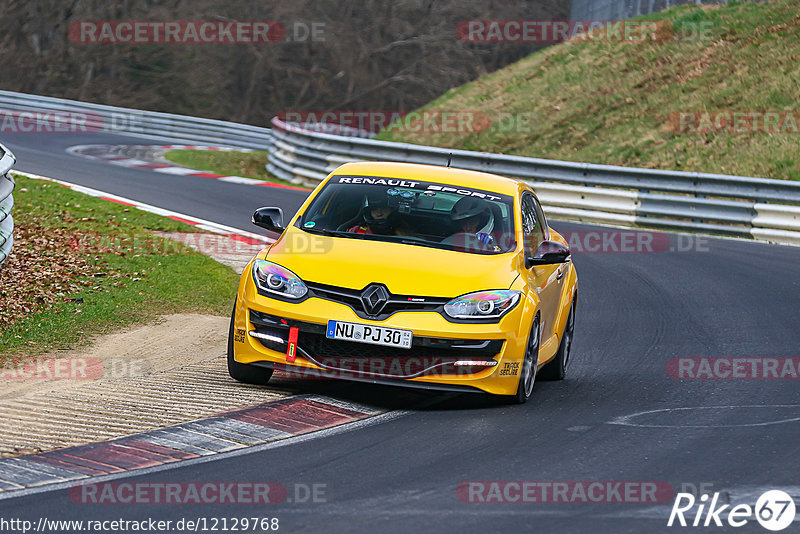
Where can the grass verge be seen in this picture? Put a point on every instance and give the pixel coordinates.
(83, 266)
(616, 102)
(231, 163)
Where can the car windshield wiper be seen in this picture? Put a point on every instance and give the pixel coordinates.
(423, 243)
(329, 233)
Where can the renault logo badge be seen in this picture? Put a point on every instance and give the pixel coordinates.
(374, 298)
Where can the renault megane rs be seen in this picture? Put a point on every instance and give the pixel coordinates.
(411, 275)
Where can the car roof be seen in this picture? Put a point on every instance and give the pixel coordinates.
(431, 173)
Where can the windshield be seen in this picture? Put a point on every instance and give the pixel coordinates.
(418, 213)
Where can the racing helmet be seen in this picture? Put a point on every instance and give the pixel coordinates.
(469, 207)
(379, 226)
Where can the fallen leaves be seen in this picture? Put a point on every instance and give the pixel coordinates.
(47, 264)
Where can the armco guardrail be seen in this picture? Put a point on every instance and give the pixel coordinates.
(623, 9)
(6, 203)
(164, 126)
(763, 209)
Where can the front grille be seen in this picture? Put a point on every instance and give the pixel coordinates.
(426, 356)
(395, 304)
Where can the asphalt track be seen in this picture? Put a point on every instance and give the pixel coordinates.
(225, 203)
(723, 298)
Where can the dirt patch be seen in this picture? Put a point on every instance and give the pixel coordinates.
(140, 379)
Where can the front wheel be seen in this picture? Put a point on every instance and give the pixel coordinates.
(249, 374)
(527, 375)
(556, 369)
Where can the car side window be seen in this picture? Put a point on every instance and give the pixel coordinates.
(541, 219)
(532, 228)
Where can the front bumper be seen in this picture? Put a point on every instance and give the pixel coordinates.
(452, 356)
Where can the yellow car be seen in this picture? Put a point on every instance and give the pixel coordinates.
(410, 275)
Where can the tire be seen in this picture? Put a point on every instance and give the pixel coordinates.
(527, 375)
(242, 372)
(556, 369)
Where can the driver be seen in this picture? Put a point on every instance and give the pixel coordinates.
(476, 220)
(378, 217)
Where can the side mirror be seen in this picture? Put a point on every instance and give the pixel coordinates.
(548, 253)
(269, 218)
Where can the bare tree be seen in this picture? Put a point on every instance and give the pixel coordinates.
(376, 54)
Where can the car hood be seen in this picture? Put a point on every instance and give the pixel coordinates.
(404, 269)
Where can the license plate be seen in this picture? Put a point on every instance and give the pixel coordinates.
(364, 333)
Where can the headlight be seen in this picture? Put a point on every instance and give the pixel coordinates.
(482, 305)
(273, 278)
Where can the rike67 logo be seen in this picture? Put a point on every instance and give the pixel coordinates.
(774, 510)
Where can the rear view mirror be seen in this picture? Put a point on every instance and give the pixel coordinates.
(269, 219)
(548, 253)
